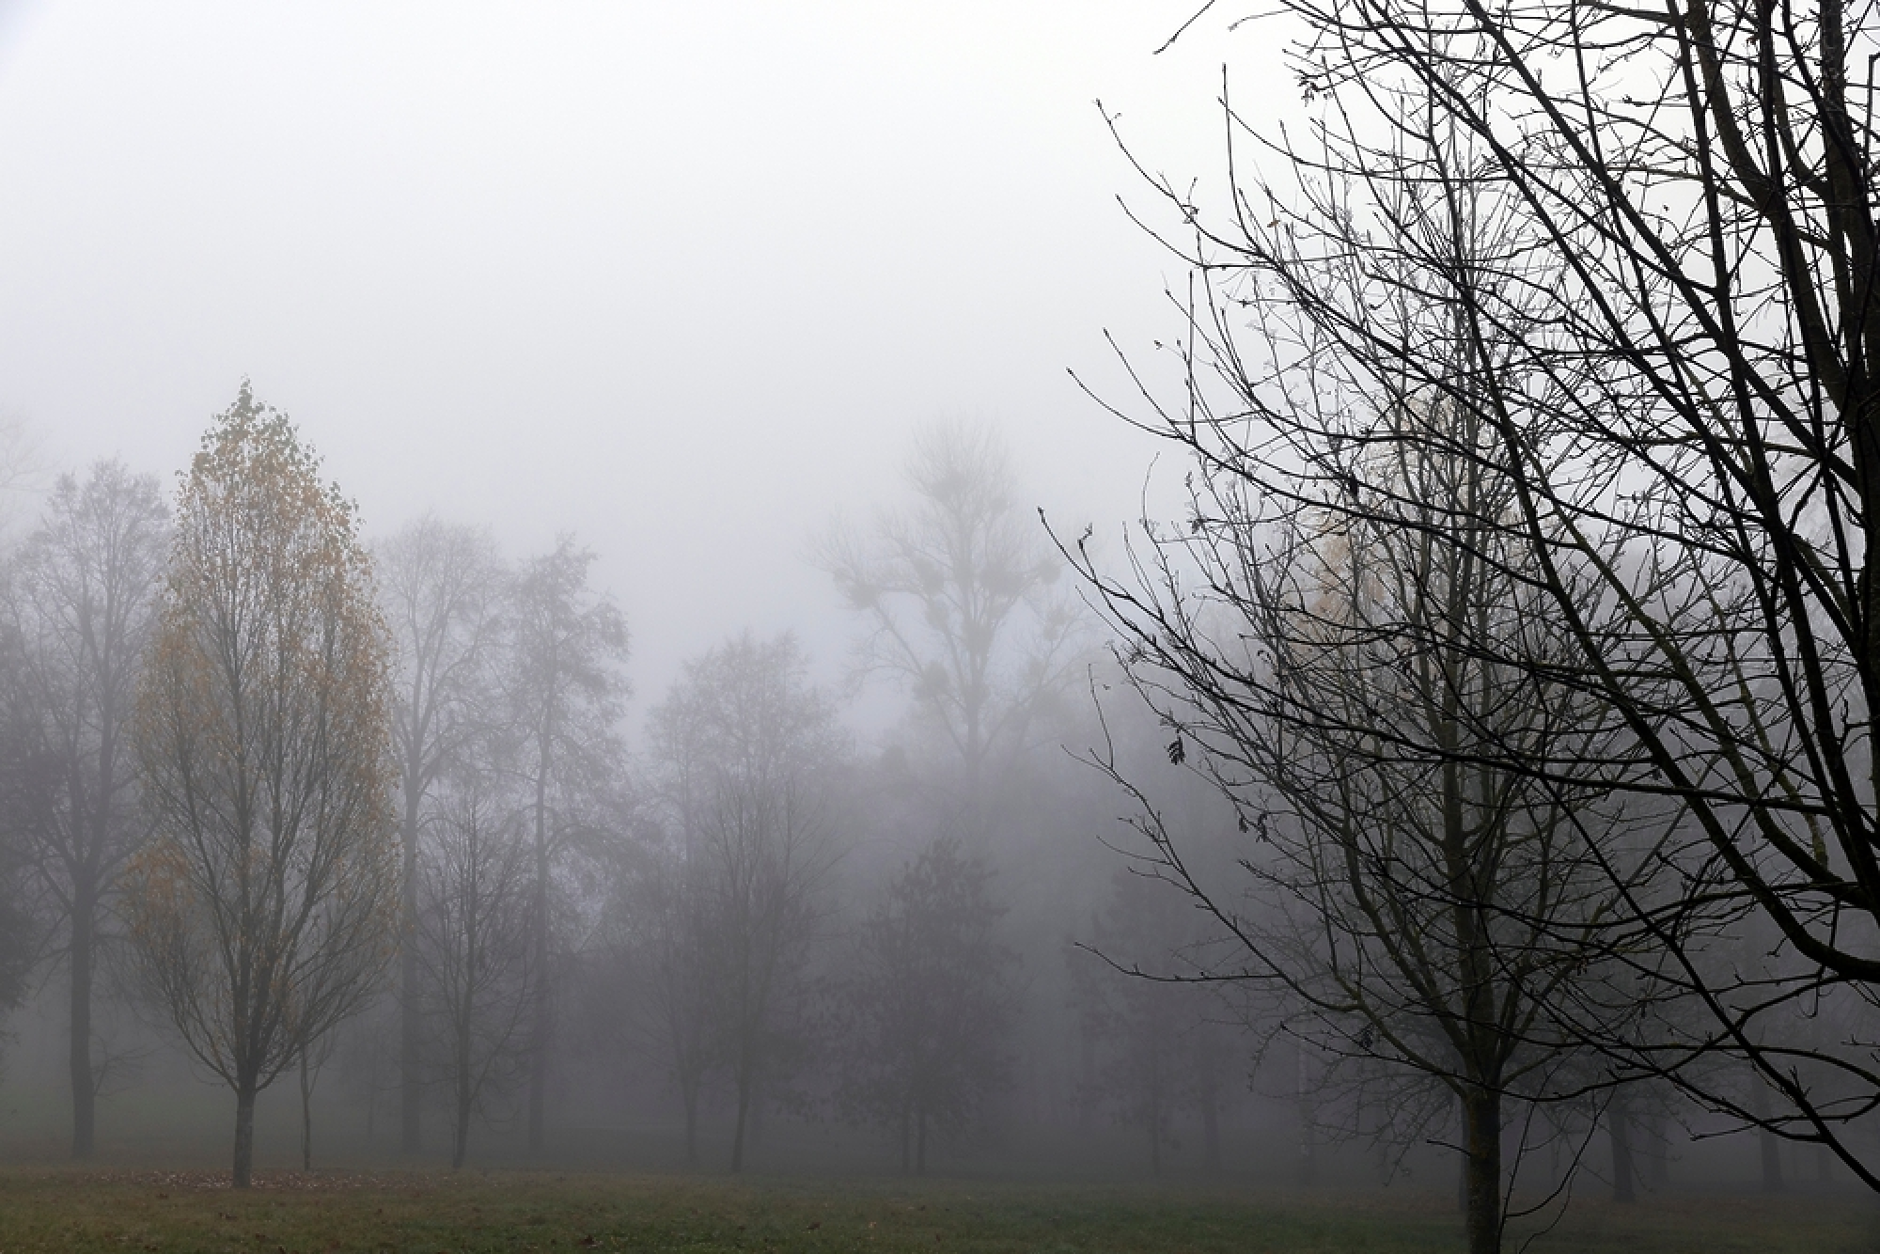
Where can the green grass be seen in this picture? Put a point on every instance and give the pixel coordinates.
(516, 1211)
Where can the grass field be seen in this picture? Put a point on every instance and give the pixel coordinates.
(517, 1211)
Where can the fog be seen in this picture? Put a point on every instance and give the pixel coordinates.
(699, 373)
(678, 280)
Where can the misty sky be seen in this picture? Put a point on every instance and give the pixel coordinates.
(679, 277)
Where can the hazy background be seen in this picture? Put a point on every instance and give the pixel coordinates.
(680, 278)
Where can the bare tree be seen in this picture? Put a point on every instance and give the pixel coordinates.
(565, 694)
(1683, 402)
(957, 592)
(264, 906)
(924, 1008)
(660, 947)
(83, 596)
(1370, 673)
(475, 946)
(442, 586)
(1157, 1049)
(749, 752)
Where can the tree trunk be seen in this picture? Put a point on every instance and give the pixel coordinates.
(1658, 1161)
(1211, 1135)
(1379, 1123)
(1768, 1142)
(460, 1130)
(907, 1141)
(410, 1060)
(920, 1142)
(1619, 1136)
(689, 1093)
(1307, 1168)
(463, 1098)
(1771, 1145)
(1155, 1134)
(538, 1060)
(306, 1114)
(244, 1135)
(1086, 1077)
(84, 1084)
(737, 1136)
(1481, 1110)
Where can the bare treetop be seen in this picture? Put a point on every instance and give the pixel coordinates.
(957, 592)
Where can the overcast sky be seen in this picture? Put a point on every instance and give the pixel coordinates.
(679, 277)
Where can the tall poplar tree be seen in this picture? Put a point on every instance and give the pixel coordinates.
(264, 907)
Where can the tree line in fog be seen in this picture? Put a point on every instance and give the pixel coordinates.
(310, 800)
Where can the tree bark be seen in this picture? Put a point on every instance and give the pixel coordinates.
(1481, 1109)
(244, 1135)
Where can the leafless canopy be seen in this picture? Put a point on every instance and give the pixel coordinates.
(1632, 251)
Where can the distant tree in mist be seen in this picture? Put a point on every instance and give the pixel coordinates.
(748, 754)
(564, 693)
(1162, 1047)
(924, 1003)
(443, 587)
(658, 951)
(264, 907)
(475, 945)
(957, 592)
(80, 606)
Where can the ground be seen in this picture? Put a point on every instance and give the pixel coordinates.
(115, 1210)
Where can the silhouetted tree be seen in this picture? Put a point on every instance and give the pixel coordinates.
(475, 946)
(1678, 377)
(1156, 1044)
(660, 950)
(81, 604)
(1428, 899)
(749, 753)
(565, 694)
(924, 1007)
(442, 587)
